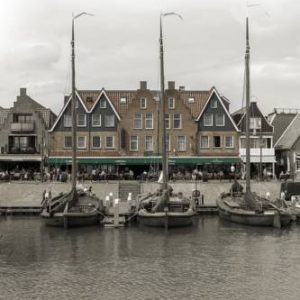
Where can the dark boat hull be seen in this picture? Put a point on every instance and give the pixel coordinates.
(163, 219)
(71, 220)
(252, 218)
(85, 212)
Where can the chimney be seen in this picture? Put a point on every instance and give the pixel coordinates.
(22, 92)
(182, 88)
(143, 85)
(171, 85)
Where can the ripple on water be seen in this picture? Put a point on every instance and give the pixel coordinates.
(212, 260)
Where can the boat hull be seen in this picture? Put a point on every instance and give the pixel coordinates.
(85, 212)
(163, 219)
(70, 220)
(252, 218)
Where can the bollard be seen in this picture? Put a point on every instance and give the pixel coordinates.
(116, 212)
(106, 202)
(111, 199)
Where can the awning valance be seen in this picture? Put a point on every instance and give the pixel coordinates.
(143, 160)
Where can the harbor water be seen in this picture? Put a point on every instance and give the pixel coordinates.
(211, 260)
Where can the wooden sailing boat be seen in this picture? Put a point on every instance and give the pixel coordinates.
(247, 208)
(164, 208)
(79, 207)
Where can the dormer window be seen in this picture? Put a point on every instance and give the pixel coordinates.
(143, 103)
(171, 103)
(123, 100)
(191, 100)
(214, 103)
(102, 103)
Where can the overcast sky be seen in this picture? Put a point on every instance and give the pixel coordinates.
(118, 47)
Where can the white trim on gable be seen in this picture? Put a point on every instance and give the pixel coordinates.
(60, 114)
(214, 91)
(285, 131)
(108, 100)
(78, 96)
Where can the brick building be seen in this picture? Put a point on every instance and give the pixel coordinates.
(125, 131)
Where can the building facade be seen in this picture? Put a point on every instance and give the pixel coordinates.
(123, 128)
(24, 138)
(286, 123)
(262, 153)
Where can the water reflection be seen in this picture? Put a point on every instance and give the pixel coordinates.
(211, 260)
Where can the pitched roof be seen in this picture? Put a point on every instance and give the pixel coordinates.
(280, 122)
(290, 135)
(200, 98)
(254, 111)
(212, 92)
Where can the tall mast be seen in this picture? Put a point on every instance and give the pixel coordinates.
(162, 114)
(247, 75)
(74, 171)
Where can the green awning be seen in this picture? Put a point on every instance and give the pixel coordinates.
(144, 160)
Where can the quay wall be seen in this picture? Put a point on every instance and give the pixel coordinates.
(30, 194)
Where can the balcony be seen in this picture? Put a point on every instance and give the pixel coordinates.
(23, 150)
(22, 127)
(267, 155)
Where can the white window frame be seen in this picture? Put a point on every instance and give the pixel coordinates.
(176, 119)
(96, 136)
(105, 120)
(223, 119)
(214, 103)
(211, 119)
(98, 125)
(81, 125)
(191, 100)
(123, 100)
(103, 103)
(171, 100)
(177, 143)
(151, 148)
(201, 137)
(113, 142)
(213, 142)
(148, 119)
(136, 141)
(232, 141)
(143, 103)
(168, 121)
(78, 138)
(67, 120)
(255, 123)
(67, 147)
(136, 119)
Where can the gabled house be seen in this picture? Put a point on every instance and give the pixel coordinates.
(286, 123)
(218, 135)
(262, 154)
(24, 138)
(97, 129)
